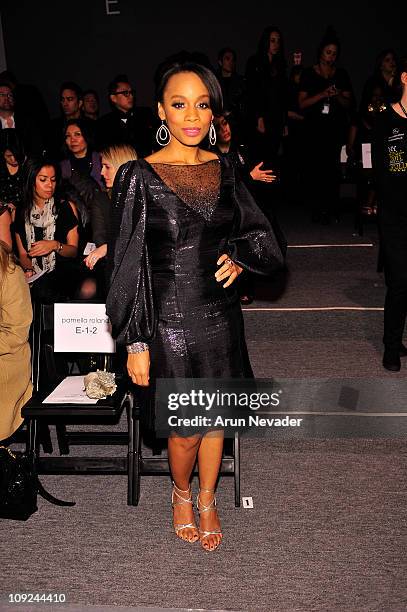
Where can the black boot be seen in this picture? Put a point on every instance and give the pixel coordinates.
(391, 360)
(403, 351)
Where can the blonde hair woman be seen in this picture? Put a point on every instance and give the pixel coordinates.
(112, 158)
(15, 321)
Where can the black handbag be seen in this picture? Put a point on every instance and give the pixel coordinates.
(19, 486)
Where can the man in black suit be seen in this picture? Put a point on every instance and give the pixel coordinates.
(28, 130)
(125, 124)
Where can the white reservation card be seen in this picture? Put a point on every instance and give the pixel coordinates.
(34, 277)
(82, 328)
(70, 391)
(90, 246)
(366, 155)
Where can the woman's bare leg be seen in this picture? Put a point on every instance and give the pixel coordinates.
(209, 462)
(182, 454)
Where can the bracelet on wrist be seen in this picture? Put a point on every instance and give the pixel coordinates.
(28, 269)
(137, 347)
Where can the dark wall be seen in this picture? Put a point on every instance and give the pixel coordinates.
(48, 42)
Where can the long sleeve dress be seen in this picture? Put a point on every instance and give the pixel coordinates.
(15, 365)
(175, 221)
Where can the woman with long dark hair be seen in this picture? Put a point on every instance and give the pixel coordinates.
(325, 99)
(47, 231)
(185, 227)
(390, 165)
(383, 78)
(266, 75)
(81, 160)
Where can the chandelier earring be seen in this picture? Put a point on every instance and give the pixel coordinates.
(163, 135)
(212, 135)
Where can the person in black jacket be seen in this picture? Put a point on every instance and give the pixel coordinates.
(11, 119)
(390, 166)
(125, 124)
(71, 102)
(112, 158)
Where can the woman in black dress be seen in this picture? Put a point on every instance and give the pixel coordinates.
(188, 226)
(47, 233)
(325, 99)
(266, 77)
(389, 150)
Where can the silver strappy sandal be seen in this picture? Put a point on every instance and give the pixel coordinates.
(182, 501)
(201, 509)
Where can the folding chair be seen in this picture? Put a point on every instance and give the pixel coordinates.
(48, 374)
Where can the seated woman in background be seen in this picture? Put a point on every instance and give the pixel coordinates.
(15, 321)
(81, 160)
(47, 232)
(12, 157)
(112, 158)
(80, 172)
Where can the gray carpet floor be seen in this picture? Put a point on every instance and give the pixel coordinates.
(328, 530)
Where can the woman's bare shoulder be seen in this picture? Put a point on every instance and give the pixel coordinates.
(206, 156)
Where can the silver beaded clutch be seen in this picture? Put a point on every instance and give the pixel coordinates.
(99, 384)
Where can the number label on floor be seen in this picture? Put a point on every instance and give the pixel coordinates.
(247, 502)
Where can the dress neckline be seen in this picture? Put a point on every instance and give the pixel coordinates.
(158, 176)
(209, 161)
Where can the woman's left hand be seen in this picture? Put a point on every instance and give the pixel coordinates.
(42, 247)
(266, 176)
(93, 257)
(228, 270)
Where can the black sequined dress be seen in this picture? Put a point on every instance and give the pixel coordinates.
(199, 329)
(176, 222)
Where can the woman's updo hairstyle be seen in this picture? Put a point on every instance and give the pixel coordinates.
(207, 77)
(330, 38)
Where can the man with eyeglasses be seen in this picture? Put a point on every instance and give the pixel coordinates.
(28, 131)
(125, 124)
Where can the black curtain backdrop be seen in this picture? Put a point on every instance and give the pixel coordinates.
(49, 42)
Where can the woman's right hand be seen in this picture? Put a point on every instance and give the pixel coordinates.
(138, 367)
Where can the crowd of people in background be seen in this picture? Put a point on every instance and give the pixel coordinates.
(283, 123)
